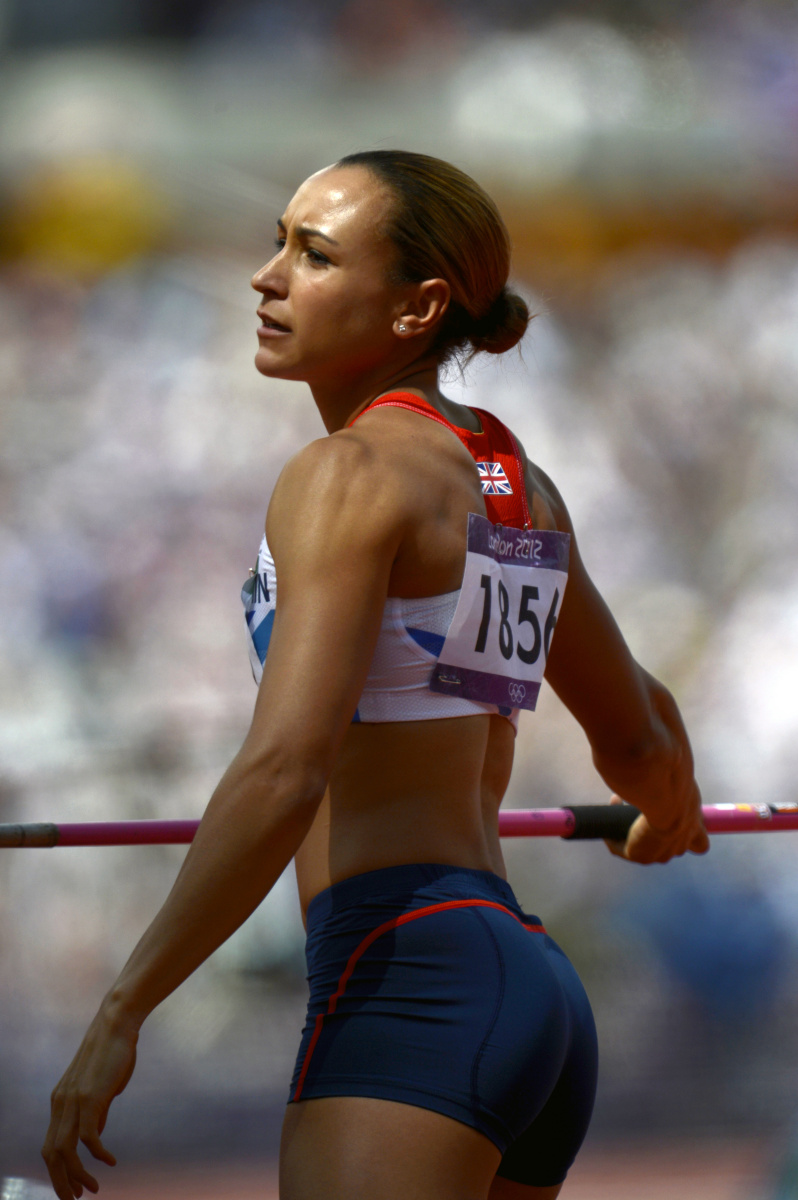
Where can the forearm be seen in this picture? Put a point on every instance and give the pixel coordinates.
(253, 825)
(655, 771)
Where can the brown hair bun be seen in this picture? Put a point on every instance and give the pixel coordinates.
(502, 326)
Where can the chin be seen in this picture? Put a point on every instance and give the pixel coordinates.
(268, 365)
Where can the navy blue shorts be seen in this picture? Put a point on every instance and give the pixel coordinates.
(430, 986)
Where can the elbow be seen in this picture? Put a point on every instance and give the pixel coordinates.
(645, 775)
(289, 784)
(642, 741)
(655, 745)
(645, 750)
(278, 783)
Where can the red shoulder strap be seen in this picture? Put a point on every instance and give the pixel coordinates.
(504, 447)
(413, 404)
(494, 449)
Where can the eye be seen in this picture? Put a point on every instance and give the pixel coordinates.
(316, 256)
(279, 242)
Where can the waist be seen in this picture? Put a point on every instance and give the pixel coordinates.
(420, 792)
(362, 900)
(327, 863)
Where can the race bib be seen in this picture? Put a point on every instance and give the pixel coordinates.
(498, 642)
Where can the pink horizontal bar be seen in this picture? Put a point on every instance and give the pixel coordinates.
(514, 822)
(718, 818)
(126, 833)
(532, 822)
(739, 818)
(535, 822)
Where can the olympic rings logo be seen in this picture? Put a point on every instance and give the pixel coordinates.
(517, 692)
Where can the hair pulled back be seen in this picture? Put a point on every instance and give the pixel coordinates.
(444, 226)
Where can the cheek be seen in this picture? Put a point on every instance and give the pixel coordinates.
(340, 313)
(359, 313)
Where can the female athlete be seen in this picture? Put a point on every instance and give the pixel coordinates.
(449, 1051)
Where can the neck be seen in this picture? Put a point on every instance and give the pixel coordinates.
(340, 404)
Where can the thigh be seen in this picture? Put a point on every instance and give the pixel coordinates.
(360, 1148)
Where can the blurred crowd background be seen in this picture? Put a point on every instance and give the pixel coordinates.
(645, 156)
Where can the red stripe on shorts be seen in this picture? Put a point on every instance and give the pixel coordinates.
(372, 937)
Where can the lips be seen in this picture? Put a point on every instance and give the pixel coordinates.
(270, 323)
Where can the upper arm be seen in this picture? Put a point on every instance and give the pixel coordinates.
(333, 527)
(590, 666)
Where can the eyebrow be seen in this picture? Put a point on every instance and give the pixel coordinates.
(304, 231)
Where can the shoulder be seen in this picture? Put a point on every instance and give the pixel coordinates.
(388, 454)
(337, 461)
(343, 467)
(343, 487)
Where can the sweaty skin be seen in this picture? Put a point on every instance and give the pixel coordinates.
(368, 512)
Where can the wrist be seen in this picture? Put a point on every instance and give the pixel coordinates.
(121, 1010)
(660, 783)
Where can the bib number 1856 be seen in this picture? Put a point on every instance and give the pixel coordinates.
(497, 646)
(526, 616)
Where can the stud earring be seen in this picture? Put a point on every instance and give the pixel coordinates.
(403, 329)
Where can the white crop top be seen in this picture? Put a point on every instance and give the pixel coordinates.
(412, 632)
(410, 640)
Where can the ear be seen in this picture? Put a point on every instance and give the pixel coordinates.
(423, 308)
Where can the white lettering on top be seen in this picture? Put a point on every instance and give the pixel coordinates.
(528, 548)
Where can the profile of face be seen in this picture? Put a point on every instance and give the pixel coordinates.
(329, 310)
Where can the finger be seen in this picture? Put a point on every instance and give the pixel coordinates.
(52, 1150)
(57, 1173)
(63, 1141)
(646, 846)
(89, 1135)
(646, 856)
(68, 1175)
(60, 1181)
(633, 849)
(78, 1176)
(663, 849)
(700, 842)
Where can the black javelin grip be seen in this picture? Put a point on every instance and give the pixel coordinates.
(611, 821)
(42, 833)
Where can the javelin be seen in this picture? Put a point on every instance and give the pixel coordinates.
(574, 823)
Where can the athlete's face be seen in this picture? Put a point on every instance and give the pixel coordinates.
(328, 310)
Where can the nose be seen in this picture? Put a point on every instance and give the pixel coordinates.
(270, 279)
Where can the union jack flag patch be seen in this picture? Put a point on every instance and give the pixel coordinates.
(494, 479)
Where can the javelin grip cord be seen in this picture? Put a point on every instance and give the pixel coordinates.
(611, 821)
